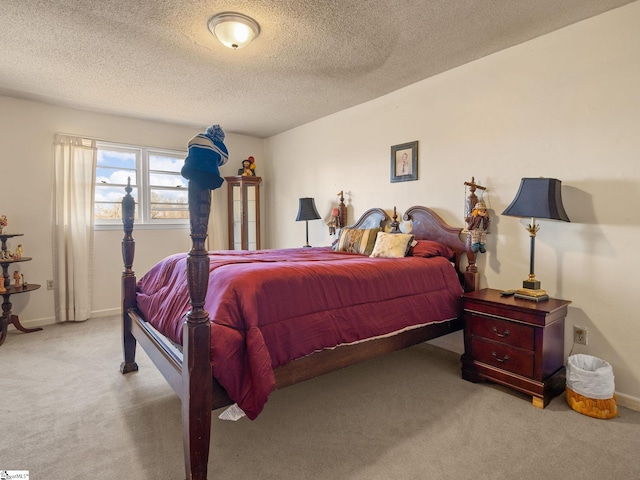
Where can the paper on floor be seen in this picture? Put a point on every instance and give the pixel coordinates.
(233, 413)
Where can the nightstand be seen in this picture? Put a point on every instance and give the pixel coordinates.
(514, 342)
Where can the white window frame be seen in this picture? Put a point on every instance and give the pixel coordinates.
(143, 185)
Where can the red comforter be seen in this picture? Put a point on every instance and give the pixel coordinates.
(272, 306)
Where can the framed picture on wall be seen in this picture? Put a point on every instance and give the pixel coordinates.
(404, 162)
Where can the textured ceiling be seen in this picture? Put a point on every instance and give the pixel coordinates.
(156, 59)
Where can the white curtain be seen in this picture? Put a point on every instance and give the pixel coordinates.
(73, 192)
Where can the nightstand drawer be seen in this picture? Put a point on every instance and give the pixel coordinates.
(502, 356)
(503, 331)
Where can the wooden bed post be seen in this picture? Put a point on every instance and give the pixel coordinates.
(128, 282)
(471, 275)
(196, 339)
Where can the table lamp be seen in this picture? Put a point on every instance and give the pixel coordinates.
(536, 198)
(307, 211)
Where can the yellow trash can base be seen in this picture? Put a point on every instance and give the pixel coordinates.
(592, 407)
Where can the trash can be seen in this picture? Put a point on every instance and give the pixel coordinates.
(590, 386)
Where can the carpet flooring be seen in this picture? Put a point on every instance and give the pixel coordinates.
(67, 413)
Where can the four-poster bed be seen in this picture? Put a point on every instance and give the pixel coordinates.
(184, 347)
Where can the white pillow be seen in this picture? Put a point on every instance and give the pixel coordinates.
(392, 245)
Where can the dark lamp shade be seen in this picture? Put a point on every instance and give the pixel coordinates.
(307, 210)
(538, 198)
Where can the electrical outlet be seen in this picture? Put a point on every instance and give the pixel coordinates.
(579, 335)
(49, 284)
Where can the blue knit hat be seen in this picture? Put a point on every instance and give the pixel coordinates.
(207, 152)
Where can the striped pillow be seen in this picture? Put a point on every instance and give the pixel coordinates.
(357, 240)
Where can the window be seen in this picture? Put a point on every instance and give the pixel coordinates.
(159, 189)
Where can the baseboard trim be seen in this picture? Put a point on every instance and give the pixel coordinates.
(628, 401)
(108, 312)
(38, 322)
(43, 322)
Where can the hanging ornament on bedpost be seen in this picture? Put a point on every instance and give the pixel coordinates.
(338, 218)
(334, 221)
(476, 216)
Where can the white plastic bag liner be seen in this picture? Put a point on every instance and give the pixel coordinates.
(590, 376)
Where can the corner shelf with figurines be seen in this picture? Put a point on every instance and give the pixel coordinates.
(8, 288)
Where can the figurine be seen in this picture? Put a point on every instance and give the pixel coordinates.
(248, 168)
(3, 222)
(16, 278)
(2, 289)
(472, 198)
(478, 224)
(18, 253)
(335, 221)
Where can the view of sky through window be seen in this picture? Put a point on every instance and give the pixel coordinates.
(159, 189)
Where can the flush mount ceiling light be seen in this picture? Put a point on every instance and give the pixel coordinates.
(234, 30)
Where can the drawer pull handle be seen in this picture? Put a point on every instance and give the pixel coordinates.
(501, 360)
(505, 334)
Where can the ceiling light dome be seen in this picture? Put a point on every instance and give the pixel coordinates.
(234, 30)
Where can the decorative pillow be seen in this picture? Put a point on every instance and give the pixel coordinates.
(392, 245)
(429, 248)
(357, 240)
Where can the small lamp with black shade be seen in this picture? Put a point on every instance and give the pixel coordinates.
(536, 198)
(307, 211)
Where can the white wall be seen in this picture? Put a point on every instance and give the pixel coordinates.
(27, 130)
(566, 105)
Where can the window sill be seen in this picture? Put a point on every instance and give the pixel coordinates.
(146, 226)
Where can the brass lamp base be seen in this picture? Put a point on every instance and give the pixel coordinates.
(531, 287)
(532, 292)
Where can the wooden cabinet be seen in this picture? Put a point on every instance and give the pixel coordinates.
(515, 342)
(9, 288)
(243, 197)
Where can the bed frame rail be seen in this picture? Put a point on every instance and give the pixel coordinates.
(327, 361)
(165, 357)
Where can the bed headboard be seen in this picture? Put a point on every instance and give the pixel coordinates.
(428, 225)
(372, 218)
